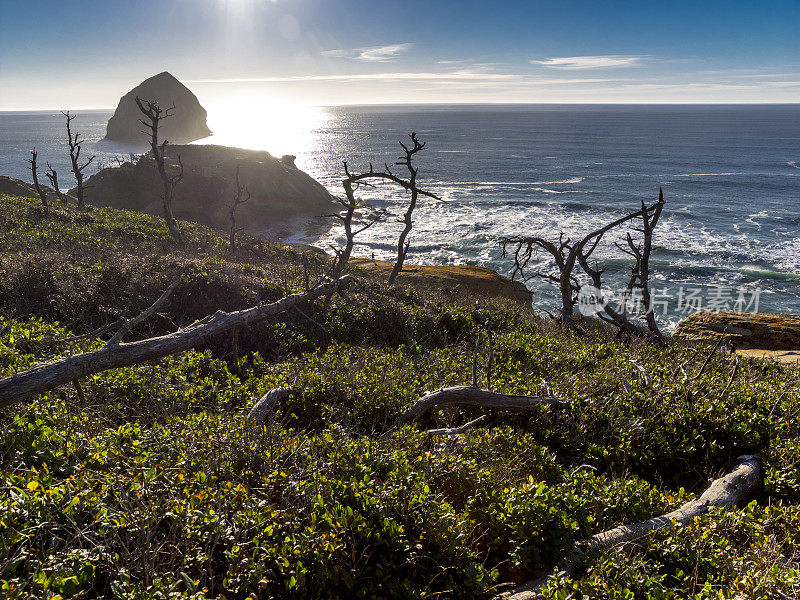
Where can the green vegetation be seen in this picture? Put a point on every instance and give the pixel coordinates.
(150, 486)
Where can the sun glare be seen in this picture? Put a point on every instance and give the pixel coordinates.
(278, 127)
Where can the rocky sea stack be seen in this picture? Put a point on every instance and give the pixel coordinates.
(187, 123)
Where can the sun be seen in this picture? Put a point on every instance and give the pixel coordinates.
(258, 122)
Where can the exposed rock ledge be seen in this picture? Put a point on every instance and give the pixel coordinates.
(753, 334)
(280, 192)
(456, 281)
(17, 187)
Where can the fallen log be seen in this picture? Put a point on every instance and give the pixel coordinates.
(44, 377)
(261, 409)
(725, 492)
(467, 395)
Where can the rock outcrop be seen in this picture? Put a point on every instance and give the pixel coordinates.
(17, 187)
(761, 331)
(280, 193)
(456, 281)
(187, 123)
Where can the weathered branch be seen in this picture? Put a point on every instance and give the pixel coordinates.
(52, 175)
(457, 430)
(143, 316)
(733, 376)
(266, 405)
(35, 174)
(353, 181)
(467, 395)
(725, 492)
(411, 185)
(41, 378)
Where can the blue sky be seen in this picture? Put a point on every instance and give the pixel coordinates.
(78, 54)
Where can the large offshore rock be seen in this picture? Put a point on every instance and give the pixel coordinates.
(187, 123)
(744, 330)
(280, 193)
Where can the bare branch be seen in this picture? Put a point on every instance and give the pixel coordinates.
(143, 316)
(457, 430)
(467, 395)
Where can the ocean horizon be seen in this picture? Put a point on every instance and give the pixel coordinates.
(730, 175)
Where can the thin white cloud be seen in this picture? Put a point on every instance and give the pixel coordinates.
(463, 75)
(780, 84)
(590, 62)
(371, 54)
(690, 86)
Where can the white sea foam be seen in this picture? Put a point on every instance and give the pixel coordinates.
(524, 183)
(784, 254)
(707, 174)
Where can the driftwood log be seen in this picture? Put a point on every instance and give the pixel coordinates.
(266, 405)
(725, 492)
(44, 377)
(467, 395)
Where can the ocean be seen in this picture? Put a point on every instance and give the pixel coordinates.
(729, 236)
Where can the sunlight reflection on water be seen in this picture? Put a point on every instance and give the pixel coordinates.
(278, 128)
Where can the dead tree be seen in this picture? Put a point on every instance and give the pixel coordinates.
(35, 174)
(406, 161)
(352, 227)
(566, 254)
(154, 115)
(641, 255)
(44, 377)
(52, 175)
(725, 492)
(75, 155)
(238, 198)
(638, 280)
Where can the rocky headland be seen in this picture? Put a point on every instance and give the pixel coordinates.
(281, 195)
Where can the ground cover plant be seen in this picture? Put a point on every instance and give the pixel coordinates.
(148, 484)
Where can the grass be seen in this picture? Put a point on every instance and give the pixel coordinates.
(150, 487)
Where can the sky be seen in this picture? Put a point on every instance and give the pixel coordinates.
(78, 54)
